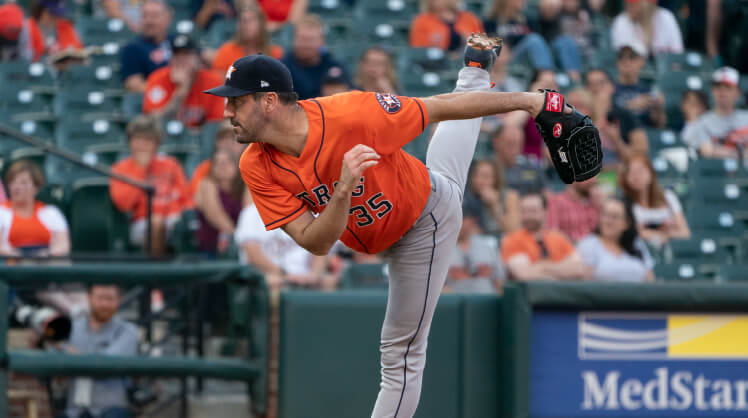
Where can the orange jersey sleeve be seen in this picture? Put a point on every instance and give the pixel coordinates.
(277, 206)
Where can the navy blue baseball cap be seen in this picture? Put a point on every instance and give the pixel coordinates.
(254, 73)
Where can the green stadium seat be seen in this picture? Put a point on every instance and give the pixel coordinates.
(660, 139)
(364, 276)
(183, 239)
(689, 62)
(38, 124)
(104, 153)
(423, 59)
(667, 175)
(175, 132)
(718, 191)
(95, 224)
(329, 9)
(677, 271)
(100, 77)
(54, 194)
(75, 134)
(23, 100)
(35, 155)
(386, 10)
(97, 31)
(720, 223)
(35, 76)
(390, 33)
(704, 248)
(717, 169)
(425, 84)
(84, 100)
(733, 273)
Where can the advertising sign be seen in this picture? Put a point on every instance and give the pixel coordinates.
(623, 364)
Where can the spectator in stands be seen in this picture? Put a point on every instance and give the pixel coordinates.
(14, 34)
(614, 251)
(376, 71)
(176, 91)
(693, 104)
(620, 131)
(277, 256)
(334, 82)
(50, 31)
(525, 175)
(101, 332)
(251, 37)
(206, 12)
(548, 25)
(224, 139)
(631, 94)
(533, 146)
(496, 206)
(723, 131)
(507, 19)
(575, 22)
(127, 11)
(218, 200)
(575, 211)
(309, 62)
(442, 24)
(280, 12)
(475, 267)
(644, 23)
(658, 213)
(500, 73)
(29, 227)
(162, 172)
(536, 253)
(149, 51)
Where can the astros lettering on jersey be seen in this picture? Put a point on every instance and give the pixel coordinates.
(390, 196)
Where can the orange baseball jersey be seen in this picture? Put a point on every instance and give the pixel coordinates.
(197, 108)
(390, 196)
(172, 191)
(428, 30)
(523, 242)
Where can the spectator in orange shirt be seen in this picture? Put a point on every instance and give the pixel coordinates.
(251, 37)
(28, 226)
(280, 12)
(443, 25)
(376, 72)
(49, 31)
(163, 172)
(535, 253)
(175, 91)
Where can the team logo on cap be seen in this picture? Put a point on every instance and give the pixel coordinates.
(229, 72)
(390, 103)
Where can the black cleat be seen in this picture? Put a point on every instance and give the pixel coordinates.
(482, 50)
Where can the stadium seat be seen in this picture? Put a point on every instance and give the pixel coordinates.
(689, 62)
(95, 225)
(733, 273)
(425, 84)
(174, 132)
(423, 59)
(27, 153)
(97, 31)
(76, 134)
(104, 153)
(679, 271)
(329, 9)
(23, 99)
(35, 76)
(704, 248)
(38, 124)
(100, 77)
(720, 223)
(373, 31)
(83, 100)
(386, 10)
(183, 239)
(667, 174)
(718, 191)
(716, 168)
(660, 139)
(364, 276)
(54, 194)
(220, 31)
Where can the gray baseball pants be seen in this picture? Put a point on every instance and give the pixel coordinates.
(418, 262)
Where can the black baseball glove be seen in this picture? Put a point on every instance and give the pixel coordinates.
(571, 138)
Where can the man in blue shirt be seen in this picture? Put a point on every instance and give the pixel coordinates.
(150, 50)
(101, 332)
(631, 94)
(308, 62)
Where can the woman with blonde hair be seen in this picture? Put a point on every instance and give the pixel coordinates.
(376, 71)
(443, 24)
(251, 37)
(654, 27)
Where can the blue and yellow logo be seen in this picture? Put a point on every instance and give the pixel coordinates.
(605, 335)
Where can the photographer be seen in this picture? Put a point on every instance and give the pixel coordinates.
(101, 332)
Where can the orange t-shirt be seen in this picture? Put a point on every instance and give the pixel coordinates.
(197, 107)
(428, 30)
(392, 194)
(522, 242)
(33, 231)
(65, 38)
(202, 170)
(172, 191)
(231, 51)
